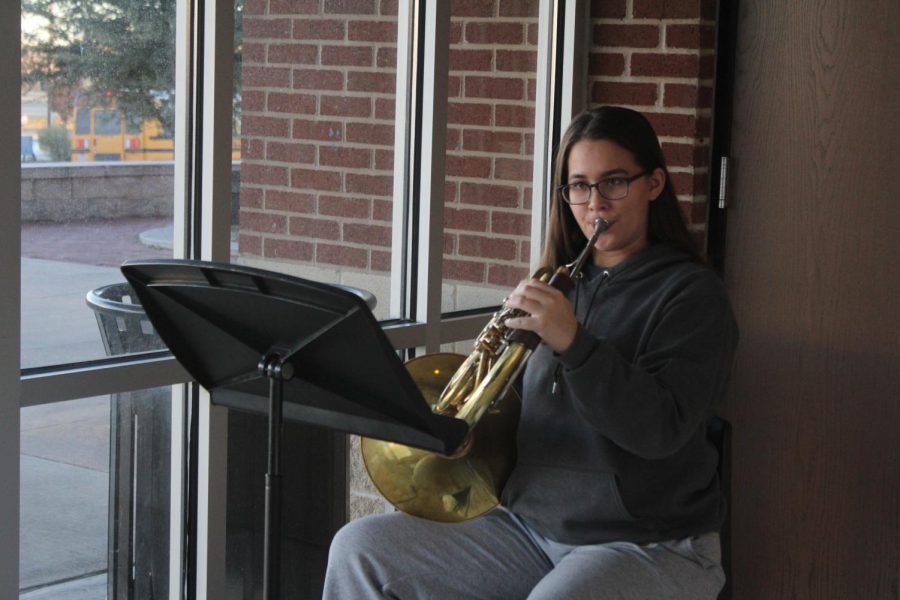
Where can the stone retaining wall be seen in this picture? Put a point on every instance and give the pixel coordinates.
(102, 190)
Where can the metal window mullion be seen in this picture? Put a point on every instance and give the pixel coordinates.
(453, 329)
(419, 168)
(181, 194)
(214, 78)
(101, 378)
(216, 131)
(403, 128)
(574, 50)
(432, 171)
(543, 128)
(10, 296)
(181, 248)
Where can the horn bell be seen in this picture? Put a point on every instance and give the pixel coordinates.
(433, 486)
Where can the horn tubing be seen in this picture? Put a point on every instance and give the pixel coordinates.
(467, 484)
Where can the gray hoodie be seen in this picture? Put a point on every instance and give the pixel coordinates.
(611, 441)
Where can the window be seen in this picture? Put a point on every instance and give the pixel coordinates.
(96, 461)
(81, 220)
(83, 121)
(107, 122)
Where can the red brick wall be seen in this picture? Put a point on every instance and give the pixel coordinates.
(657, 56)
(490, 141)
(318, 84)
(318, 131)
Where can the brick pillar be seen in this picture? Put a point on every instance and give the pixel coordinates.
(657, 56)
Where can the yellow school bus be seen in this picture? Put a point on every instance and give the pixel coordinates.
(105, 134)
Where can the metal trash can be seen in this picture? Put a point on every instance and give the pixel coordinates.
(124, 325)
(139, 456)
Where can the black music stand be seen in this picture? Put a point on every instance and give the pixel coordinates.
(296, 350)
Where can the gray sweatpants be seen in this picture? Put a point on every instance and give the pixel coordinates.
(498, 556)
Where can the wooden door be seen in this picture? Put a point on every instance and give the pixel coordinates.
(811, 264)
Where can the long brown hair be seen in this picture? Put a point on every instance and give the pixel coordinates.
(632, 131)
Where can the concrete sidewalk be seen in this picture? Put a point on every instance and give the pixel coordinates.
(100, 243)
(65, 447)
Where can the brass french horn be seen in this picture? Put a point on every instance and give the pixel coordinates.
(468, 483)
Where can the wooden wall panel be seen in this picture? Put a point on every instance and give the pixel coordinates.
(812, 267)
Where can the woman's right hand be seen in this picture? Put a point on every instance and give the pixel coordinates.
(550, 313)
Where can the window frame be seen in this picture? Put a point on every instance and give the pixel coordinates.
(420, 134)
(10, 297)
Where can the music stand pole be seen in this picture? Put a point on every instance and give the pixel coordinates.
(272, 366)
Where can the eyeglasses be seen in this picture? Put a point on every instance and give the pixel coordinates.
(611, 188)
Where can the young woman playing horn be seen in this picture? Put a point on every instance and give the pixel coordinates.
(614, 493)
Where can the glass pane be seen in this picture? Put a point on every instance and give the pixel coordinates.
(81, 219)
(83, 121)
(95, 494)
(107, 122)
(490, 148)
(316, 83)
(133, 125)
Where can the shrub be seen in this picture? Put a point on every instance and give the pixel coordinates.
(57, 142)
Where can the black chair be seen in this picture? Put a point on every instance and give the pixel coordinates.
(718, 432)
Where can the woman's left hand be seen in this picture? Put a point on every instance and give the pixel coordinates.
(550, 313)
